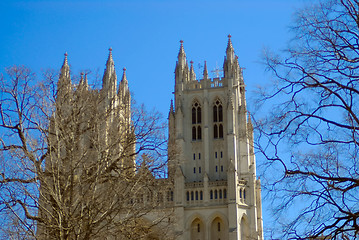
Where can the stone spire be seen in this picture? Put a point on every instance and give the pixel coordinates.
(230, 50)
(182, 70)
(124, 83)
(64, 83)
(83, 85)
(171, 107)
(181, 55)
(229, 59)
(192, 73)
(123, 90)
(205, 71)
(109, 78)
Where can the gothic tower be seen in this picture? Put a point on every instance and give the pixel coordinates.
(211, 156)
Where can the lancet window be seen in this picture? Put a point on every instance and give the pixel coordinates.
(196, 121)
(217, 119)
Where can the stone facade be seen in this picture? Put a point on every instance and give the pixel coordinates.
(212, 187)
(216, 193)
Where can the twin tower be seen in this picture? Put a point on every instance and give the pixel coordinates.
(211, 161)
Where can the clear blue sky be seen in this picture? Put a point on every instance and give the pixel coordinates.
(145, 38)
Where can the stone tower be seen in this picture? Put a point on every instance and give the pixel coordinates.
(211, 156)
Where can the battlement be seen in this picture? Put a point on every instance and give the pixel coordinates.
(206, 83)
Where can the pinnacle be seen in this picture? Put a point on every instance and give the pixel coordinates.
(124, 78)
(171, 107)
(181, 51)
(229, 45)
(205, 71)
(110, 59)
(65, 60)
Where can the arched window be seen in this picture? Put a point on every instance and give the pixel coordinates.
(224, 193)
(215, 114)
(194, 115)
(199, 133)
(187, 196)
(217, 120)
(215, 194)
(211, 194)
(196, 195)
(220, 112)
(219, 226)
(215, 131)
(200, 195)
(198, 227)
(196, 121)
(220, 135)
(244, 194)
(240, 193)
(199, 115)
(191, 196)
(220, 194)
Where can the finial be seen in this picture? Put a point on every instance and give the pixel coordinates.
(110, 59)
(229, 41)
(65, 60)
(181, 51)
(124, 78)
(191, 62)
(82, 73)
(230, 50)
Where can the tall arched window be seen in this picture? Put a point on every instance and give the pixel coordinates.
(196, 121)
(217, 119)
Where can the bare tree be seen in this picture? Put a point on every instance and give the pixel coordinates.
(310, 133)
(71, 164)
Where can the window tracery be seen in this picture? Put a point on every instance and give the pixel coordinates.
(196, 121)
(217, 119)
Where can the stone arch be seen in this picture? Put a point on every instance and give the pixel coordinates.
(220, 98)
(244, 228)
(197, 229)
(189, 224)
(196, 99)
(218, 226)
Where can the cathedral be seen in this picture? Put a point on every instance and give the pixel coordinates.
(212, 189)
